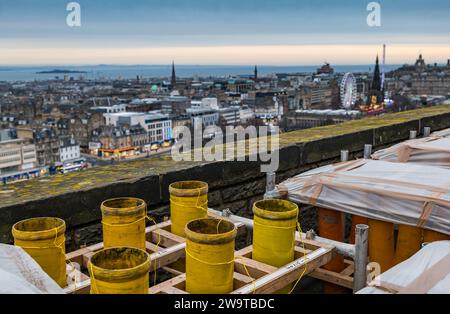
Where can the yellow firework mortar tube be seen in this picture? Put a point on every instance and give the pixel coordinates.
(124, 222)
(120, 271)
(44, 240)
(210, 256)
(275, 223)
(188, 201)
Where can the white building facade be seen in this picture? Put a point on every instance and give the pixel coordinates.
(69, 150)
(159, 126)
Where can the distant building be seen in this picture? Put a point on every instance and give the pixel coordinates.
(246, 114)
(109, 109)
(158, 125)
(240, 85)
(173, 79)
(18, 160)
(420, 64)
(175, 105)
(325, 69)
(230, 115)
(305, 119)
(376, 92)
(144, 105)
(69, 149)
(46, 142)
(207, 117)
(7, 134)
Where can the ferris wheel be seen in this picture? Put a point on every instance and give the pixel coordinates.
(348, 91)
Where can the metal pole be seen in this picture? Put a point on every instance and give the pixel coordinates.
(412, 134)
(361, 248)
(270, 184)
(367, 151)
(270, 181)
(344, 155)
(426, 131)
(344, 249)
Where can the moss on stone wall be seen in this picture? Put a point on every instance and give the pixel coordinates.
(132, 171)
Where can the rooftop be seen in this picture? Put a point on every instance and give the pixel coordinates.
(75, 197)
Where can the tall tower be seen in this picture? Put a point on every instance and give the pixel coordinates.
(383, 69)
(256, 72)
(173, 80)
(376, 82)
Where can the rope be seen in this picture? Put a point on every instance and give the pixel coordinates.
(157, 244)
(226, 263)
(303, 246)
(304, 256)
(58, 246)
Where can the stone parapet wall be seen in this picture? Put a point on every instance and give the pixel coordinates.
(76, 197)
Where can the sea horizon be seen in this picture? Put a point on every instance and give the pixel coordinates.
(15, 73)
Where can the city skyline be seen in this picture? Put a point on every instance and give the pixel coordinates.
(229, 32)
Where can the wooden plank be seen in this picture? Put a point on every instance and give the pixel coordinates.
(245, 252)
(83, 287)
(173, 290)
(241, 280)
(167, 284)
(172, 271)
(86, 258)
(167, 256)
(162, 225)
(77, 256)
(255, 269)
(287, 274)
(310, 244)
(332, 277)
(348, 271)
(300, 252)
(165, 238)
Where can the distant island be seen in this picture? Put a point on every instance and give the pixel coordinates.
(58, 71)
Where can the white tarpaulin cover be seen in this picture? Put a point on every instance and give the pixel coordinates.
(20, 274)
(428, 271)
(433, 150)
(401, 193)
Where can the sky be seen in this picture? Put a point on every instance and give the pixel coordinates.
(238, 32)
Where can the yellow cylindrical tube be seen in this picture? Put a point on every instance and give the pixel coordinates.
(331, 226)
(44, 240)
(433, 236)
(210, 256)
(124, 222)
(188, 201)
(120, 271)
(275, 222)
(381, 243)
(409, 240)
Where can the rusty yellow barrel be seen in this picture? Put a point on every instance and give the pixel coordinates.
(119, 271)
(188, 201)
(44, 240)
(409, 241)
(432, 236)
(381, 243)
(210, 256)
(275, 222)
(124, 222)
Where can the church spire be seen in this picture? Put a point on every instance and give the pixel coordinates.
(256, 72)
(376, 82)
(173, 80)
